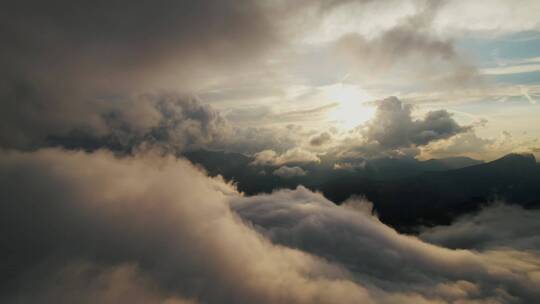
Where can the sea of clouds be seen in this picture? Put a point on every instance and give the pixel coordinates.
(98, 228)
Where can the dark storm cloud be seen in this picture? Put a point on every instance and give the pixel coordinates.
(64, 62)
(394, 127)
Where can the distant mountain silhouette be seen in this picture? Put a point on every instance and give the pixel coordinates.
(236, 165)
(449, 163)
(405, 192)
(391, 168)
(437, 197)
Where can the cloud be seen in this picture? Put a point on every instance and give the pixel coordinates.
(295, 155)
(471, 145)
(408, 49)
(288, 172)
(85, 282)
(155, 229)
(450, 19)
(305, 114)
(495, 17)
(178, 122)
(514, 69)
(108, 55)
(496, 226)
(168, 120)
(321, 139)
(398, 43)
(186, 123)
(393, 132)
(155, 226)
(266, 115)
(353, 165)
(394, 127)
(380, 257)
(251, 140)
(467, 143)
(110, 51)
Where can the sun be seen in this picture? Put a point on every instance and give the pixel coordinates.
(352, 109)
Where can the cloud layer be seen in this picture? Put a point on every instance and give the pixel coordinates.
(380, 257)
(497, 226)
(155, 229)
(153, 224)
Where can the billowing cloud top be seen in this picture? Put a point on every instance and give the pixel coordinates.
(394, 127)
(155, 229)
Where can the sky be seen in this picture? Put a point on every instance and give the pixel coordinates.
(100, 101)
(275, 75)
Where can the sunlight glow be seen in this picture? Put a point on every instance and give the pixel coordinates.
(352, 110)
